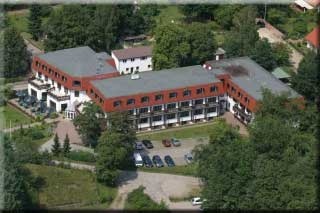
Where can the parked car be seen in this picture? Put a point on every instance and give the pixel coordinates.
(147, 161)
(147, 143)
(169, 161)
(137, 159)
(188, 158)
(157, 161)
(166, 143)
(138, 145)
(197, 201)
(175, 142)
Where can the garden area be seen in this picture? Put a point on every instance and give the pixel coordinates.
(69, 188)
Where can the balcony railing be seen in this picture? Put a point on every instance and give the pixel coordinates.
(59, 97)
(242, 112)
(38, 84)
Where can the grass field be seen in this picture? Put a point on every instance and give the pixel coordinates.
(187, 170)
(193, 131)
(168, 14)
(70, 188)
(9, 113)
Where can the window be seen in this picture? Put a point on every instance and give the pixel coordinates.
(186, 93)
(213, 89)
(143, 110)
(158, 97)
(184, 114)
(228, 85)
(233, 89)
(130, 101)
(171, 106)
(56, 74)
(127, 69)
(198, 102)
(132, 59)
(157, 108)
(46, 78)
(39, 74)
(198, 112)
(143, 120)
(100, 100)
(124, 60)
(66, 90)
(130, 112)
(52, 82)
(143, 58)
(172, 95)
(76, 93)
(145, 99)
(149, 65)
(157, 118)
(116, 103)
(171, 116)
(212, 109)
(76, 83)
(200, 91)
(240, 95)
(212, 100)
(185, 103)
(59, 86)
(91, 91)
(137, 68)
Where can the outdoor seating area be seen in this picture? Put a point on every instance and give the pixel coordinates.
(32, 105)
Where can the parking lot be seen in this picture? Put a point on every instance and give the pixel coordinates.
(177, 153)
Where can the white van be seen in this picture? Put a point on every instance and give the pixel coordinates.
(137, 159)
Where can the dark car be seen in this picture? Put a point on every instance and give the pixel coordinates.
(147, 143)
(157, 161)
(169, 161)
(147, 161)
(166, 142)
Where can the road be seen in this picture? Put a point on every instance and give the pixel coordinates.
(295, 56)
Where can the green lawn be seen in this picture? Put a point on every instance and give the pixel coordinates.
(19, 20)
(9, 113)
(187, 170)
(192, 131)
(169, 13)
(70, 188)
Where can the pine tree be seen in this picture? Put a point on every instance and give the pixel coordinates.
(35, 21)
(66, 145)
(56, 146)
(16, 58)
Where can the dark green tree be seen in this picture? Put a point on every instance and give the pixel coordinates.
(89, 123)
(281, 53)
(56, 149)
(67, 27)
(104, 30)
(35, 21)
(263, 54)
(305, 81)
(16, 58)
(224, 14)
(66, 145)
(14, 195)
(240, 41)
(172, 48)
(202, 43)
(197, 12)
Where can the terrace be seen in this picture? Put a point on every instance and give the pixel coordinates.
(39, 84)
(58, 96)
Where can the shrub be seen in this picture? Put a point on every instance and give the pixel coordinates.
(36, 134)
(81, 156)
(54, 115)
(138, 200)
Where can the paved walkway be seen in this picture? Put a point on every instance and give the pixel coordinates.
(230, 119)
(295, 56)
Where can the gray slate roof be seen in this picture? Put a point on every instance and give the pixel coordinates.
(79, 61)
(251, 77)
(133, 52)
(153, 81)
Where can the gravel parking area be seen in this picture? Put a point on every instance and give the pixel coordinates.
(177, 153)
(158, 187)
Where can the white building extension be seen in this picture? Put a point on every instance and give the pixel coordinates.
(136, 59)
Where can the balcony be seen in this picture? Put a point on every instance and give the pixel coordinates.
(242, 112)
(172, 110)
(39, 84)
(58, 96)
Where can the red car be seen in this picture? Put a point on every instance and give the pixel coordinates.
(166, 143)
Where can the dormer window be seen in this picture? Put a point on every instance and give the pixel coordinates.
(145, 99)
(116, 103)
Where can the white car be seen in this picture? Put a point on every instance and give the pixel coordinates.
(197, 201)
